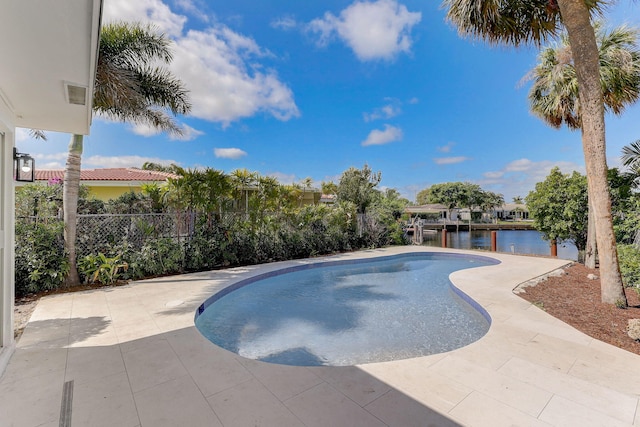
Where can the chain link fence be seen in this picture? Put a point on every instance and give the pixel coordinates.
(100, 232)
(97, 233)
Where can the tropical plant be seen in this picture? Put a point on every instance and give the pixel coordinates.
(102, 269)
(558, 206)
(630, 265)
(40, 262)
(631, 159)
(554, 94)
(517, 22)
(358, 186)
(130, 86)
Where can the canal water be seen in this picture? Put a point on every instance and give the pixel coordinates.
(528, 242)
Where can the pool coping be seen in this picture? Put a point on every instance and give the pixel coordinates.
(136, 359)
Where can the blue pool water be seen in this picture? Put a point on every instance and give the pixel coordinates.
(347, 313)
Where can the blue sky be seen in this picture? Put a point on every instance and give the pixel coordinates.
(298, 89)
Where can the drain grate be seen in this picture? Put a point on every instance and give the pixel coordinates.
(67, 401)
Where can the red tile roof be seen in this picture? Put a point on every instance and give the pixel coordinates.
(113, 174)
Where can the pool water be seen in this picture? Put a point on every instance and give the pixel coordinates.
(350, 313)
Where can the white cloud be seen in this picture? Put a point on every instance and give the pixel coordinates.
(145, 130)
(188, 134)
(219, 67)
(284, 23)
(446, 148)
(229, 153)
(194, 8)
(148, 11)
(283, 178)
(22, 134)
(373, 30)
(381, 137)
(214, 66)
(385, 112)
(450, 160)
(50, 161)
(519, 177)
(122, 161)
(58, 161)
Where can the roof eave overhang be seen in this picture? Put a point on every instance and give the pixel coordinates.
(50, 50)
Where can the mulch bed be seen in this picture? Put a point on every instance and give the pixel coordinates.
(575, 299)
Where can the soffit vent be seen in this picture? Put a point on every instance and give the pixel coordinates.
(76, 95)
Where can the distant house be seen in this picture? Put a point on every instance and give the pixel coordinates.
(108, 183)
(434, 211)
(512, 211)
(508, 211)
(327, 199)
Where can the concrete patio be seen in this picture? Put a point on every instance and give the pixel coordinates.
(131, 356)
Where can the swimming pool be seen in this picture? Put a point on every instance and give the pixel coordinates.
(352, 312)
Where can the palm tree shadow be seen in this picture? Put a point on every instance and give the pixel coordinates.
(57, 333)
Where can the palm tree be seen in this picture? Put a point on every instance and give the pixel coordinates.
(129, 86)
(242, 179)
(631, 158)
(517, 22)
(554, 94)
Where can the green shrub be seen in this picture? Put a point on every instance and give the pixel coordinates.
(629, 258)
(41, 263)
(102, 269)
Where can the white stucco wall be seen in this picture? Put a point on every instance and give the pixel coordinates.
(7, 239)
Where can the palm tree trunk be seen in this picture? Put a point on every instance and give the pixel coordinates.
(71, 186)
(590, 248)
(576, 19)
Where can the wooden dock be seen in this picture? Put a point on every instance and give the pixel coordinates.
(464, 226)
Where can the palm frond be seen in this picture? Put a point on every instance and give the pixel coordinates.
(130, 86)
(631, 155)
(554, 93)
(37, 134)
(509, 22)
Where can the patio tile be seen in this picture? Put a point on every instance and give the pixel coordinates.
(398, 409)
(177, 402)
(82, 364)
(29, 363)
(53, 307)
(325, 406)
(283, 381)
(503, 388)
(213, 369)
(480, 410)
(152, 363)
(561, 411)
(49, 333)
(358, 385)
(251, 404)
(130, 314)
(133, 335)
(609, 375)
(105, 337)
(33, 401)
(422, 383)
(484, 354)
(91, 331)
(550, 352)
(172, 322)
(107, 402)
(603, 399)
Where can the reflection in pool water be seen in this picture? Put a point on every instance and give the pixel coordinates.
(349, 313)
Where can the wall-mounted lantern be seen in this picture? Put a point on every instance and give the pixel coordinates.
(24, 166)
